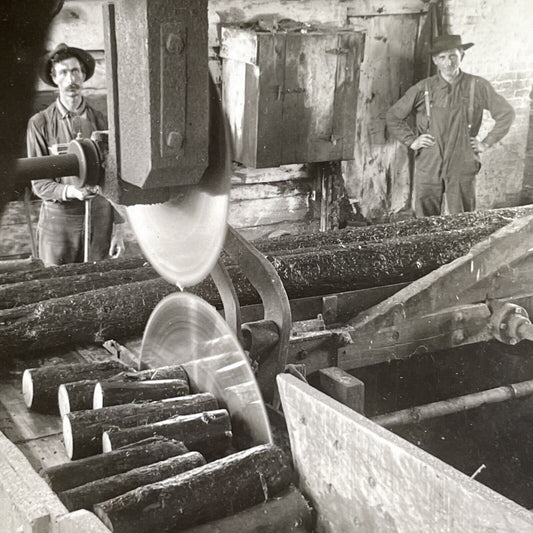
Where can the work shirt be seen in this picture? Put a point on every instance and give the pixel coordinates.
(58, 125)
(448, 95)
(61, 221)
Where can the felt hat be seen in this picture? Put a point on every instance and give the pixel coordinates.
(448, 42)
(84, 57)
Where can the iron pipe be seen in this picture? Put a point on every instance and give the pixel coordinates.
(415, 415)
(48, 166)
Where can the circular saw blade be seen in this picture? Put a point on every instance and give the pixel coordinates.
(183, 237)
(184, 329)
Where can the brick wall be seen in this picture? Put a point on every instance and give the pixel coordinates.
(503, 54)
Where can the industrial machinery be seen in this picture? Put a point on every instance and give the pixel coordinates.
(168, 162)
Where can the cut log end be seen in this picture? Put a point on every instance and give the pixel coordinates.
(98, 398)
(67, 437)
(63, 400)
(27, 388)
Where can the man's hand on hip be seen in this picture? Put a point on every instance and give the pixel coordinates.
(478, 146)
(423, 141)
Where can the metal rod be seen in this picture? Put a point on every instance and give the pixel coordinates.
(27, 211)
(87, 232)
(415, 415)
(48, 166)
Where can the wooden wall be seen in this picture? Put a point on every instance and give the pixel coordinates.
(377, 180)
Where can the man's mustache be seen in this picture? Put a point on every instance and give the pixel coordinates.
(73, 86)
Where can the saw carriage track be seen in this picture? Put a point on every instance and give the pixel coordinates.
(121, 310)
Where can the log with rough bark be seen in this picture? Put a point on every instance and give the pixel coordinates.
(388, 256)
(289, 512)
(40, 385)
(75, 473)
(213, 491)
(78, 396)
(74, 269)
(208, 433)
(82, 430)
(100, 490)
(89, 317)
(108, 393)
(28, 292)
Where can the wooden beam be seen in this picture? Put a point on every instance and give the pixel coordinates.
(373, 8)
(361, 477)
(440, 291)
(343, 387)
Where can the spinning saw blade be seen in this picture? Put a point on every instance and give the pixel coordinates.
(183, 237)
(184, 329)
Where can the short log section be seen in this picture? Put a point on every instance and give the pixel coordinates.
(210, 492)
(100, 490)
(82, 430)
(40, 385)
(75, 473)
(208, 433)
(108, 393)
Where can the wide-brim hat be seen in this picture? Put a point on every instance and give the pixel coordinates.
(448, 42)
(45, 71)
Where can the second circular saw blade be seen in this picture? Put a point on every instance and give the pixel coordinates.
(184, 329)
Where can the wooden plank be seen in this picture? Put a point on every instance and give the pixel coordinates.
(285, 189)
(34, 483)
(308, 98)
(371, 8)
(361, 477)
(15, 240)
(343, 387)
(81, 521)
(269, 211)
(239, 45)
(277, 229)
(243, 175)
(407, 336)
(379, 175)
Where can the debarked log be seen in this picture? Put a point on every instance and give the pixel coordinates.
(82, 430)
(121, 311)
(289, 512)
(78, 396)
(100, 490)
(75, 473)
(212, 491)
(108, 393)
(40, 385)
(208, 432)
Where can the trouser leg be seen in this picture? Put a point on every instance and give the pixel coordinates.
(60, 236)
(461, 194)
(101, 228)
(428, 199)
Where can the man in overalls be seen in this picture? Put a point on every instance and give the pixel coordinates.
(448, 109)
(61, 221)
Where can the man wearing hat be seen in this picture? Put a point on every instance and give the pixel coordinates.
(448, 109)
(61, 221)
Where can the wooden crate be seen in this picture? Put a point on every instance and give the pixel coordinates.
(291, 97)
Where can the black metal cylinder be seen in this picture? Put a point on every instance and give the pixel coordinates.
(48, 166)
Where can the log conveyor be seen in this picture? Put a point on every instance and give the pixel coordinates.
(275, 413)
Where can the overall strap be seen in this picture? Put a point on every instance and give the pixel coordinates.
(470, 112)
(426, 99)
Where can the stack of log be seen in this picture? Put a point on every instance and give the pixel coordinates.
(45, 309)
(148, 455)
